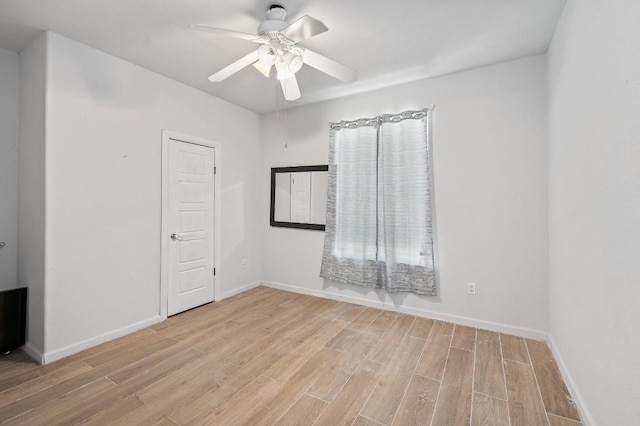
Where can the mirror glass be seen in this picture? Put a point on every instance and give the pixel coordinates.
(299, 197)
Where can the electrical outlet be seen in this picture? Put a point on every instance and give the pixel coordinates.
(471, 289)
(243, 263)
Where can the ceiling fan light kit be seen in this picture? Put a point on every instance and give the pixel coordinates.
(279, 47)
(293, 60)
(267, 55)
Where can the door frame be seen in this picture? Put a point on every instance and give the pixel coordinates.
(168, 135)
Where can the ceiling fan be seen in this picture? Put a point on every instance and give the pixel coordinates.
(279, 48)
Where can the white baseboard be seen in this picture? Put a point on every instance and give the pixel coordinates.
(471, 322)
(239, 290)
(34, 353)
(48, 357)
(585, 414)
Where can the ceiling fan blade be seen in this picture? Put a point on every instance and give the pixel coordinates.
(329, 66)
(227, 33)
(290, 88)
(304, 28)
(264, 69)
(234, 67)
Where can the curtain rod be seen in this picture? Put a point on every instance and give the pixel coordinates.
(383, 118)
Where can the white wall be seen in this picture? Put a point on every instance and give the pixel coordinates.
(104, 120)
(490, 164)
(594, 205)
(9, 107)
(31, 188)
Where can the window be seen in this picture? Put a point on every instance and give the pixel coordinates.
(379, 215)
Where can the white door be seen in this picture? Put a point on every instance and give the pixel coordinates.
(300, 197)
(190, 225)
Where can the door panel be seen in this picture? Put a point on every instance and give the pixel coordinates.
(191, 226)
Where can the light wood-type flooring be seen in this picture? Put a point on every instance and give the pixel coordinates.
(273, 357)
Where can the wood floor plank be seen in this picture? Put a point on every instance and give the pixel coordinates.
(201, 393)
(156, 372)
(28, 371)
(272, 317)
(261, 314)
(351, 312)
(143, 365)
(342, 340)
(304, 330)
(292, 361)
(237, 408)
(434, 356)
(388, 393)
(141, 415)
(338, 372)
(347, 404)
(421, 328)
(192, 322)
(163, 421)
(179, 372)
(304, 411)
(489, 411)
(216, 310)
(188, 370)
(525, 404)
(328, 385)
(227, 343)
(129, 339)
(204, 395)
(71, 408)
(489, 375)
(454, 401)
(44, 381)
(364, 320)
(363, 421)
(419, 402)
(288, 392)
(35, 400)
(464, 338)
(555, 395)
(149, 340)
(17, 368)
(561, 421)
(209, 366)
(295, 299)
(114, 414)
(383, 351)
(384, 320)
(12, 362)
(514, 348)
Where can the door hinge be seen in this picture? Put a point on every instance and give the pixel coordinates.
(215, 170)
(214, 272)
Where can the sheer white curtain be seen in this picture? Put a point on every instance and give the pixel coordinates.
(379, 217)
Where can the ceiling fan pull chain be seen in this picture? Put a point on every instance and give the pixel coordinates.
(278, 113)
(286, 143)
(281, 131)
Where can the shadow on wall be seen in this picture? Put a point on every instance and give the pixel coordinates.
(233, 232)
(110, 87)
(377, 296)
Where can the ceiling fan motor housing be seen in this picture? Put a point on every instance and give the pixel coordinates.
(275, 20)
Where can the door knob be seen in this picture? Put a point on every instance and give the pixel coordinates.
(176, 237)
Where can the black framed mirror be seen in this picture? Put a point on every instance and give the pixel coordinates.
(299, 197)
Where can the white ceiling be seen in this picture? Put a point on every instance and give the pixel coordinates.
(387, 42)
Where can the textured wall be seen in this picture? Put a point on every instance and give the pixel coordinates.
(594, 204)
